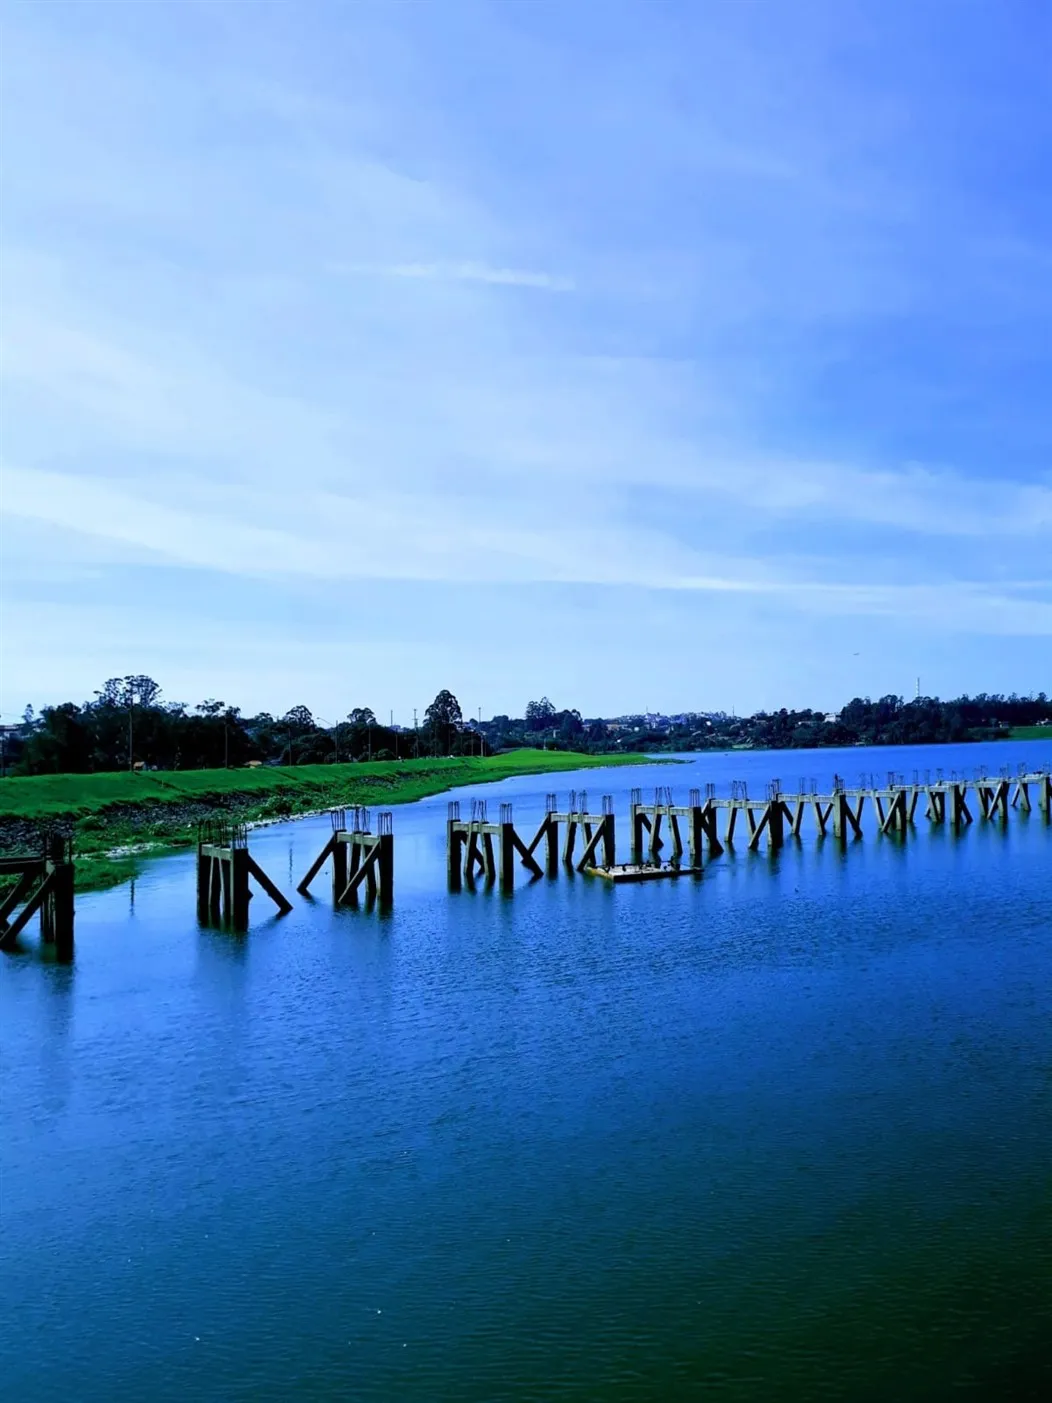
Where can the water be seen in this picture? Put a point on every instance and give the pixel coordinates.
(785, 1133)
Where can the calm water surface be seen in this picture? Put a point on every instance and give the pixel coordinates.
(784, 1133)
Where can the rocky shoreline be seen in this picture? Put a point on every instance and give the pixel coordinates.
(127, 823)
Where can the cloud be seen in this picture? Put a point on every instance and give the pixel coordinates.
(401, 538)
(463, 273)
(801, 369)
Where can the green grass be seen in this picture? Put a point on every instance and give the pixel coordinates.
(113, 811)
(1031, 733)
(305, 786)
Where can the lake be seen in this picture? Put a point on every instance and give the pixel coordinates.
(781, 1133)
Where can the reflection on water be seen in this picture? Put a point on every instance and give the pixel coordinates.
(779, 1133)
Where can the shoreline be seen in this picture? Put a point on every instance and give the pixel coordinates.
(119, 821)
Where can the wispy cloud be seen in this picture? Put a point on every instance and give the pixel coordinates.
(409, 540)
(462, 273)
(305, 339)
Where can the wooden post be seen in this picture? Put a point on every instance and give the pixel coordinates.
(204, 873)
(62, 906)
(635, 822)
(47, 910)
(608, 841)
(775, 823)
(507, 856)
(959, 811)
(239, 892)
(215, 879)
(712, 829)
(226, 884)
(339, 867)
(385, 868)
(695, 836)
(490, 857)
(455, 839)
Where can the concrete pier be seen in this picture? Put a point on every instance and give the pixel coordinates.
(360, 857)
(224, 866)
(475, 845)
(44, 883)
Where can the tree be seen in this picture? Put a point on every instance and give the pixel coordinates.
(540, 715)
(361, 716)
(570, 725)
(300, 718)
(297, 723)
(442, 720)
(61, 742)
(141, 690)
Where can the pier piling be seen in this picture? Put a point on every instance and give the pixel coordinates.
(360, 857)
(224, 867)
(44, 883)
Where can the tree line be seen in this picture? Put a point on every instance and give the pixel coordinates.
(127, 725)
(890, 720)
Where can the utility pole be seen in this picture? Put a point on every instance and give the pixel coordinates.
(131, 728)
(416, 737)
(226, 745)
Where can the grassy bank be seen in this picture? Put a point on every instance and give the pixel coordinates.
(1031, 733)
(108, 813)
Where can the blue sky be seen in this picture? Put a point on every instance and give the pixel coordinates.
(644, 355)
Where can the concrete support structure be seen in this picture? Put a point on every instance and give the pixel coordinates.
(224, 866)
(44, 883)
(597, 832)
(360, 858)
(993, 797)
(477, 846)
(698, 818)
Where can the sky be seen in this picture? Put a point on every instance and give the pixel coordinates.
(667, 356)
